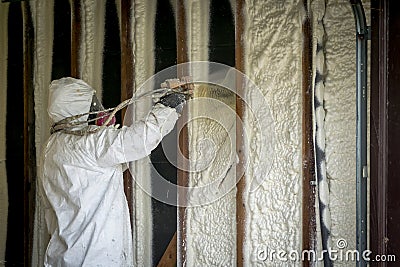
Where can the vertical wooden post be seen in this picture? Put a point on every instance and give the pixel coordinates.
(182, 49)
(29, 135)
(240, 110)
(379, 128)
(309, 220)
(385, 128)
(127, 83)
(75, 37)
(169, 257)
(183, 176)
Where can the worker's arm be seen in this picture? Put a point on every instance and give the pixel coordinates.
(145, 136)
(115, 146)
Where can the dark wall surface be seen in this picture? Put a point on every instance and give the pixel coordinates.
(385, 128)
(14, 138)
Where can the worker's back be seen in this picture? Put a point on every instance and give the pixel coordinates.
(81, 181)
(88, 217)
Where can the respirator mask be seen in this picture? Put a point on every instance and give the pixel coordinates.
(98, 114)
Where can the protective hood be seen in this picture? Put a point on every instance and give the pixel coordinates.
(68, 97)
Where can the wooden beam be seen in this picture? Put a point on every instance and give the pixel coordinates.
(127, 84)
(393, 129)
(385, 127)
(183, 176)
(169, 257)
(76, 37)
(29, 135)
(309, 221)
(379, 128)
(182, 49)
(240, 110)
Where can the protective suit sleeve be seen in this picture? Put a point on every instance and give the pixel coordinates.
(116, 146)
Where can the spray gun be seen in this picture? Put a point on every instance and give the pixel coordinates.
(185, 82)
(184, 86)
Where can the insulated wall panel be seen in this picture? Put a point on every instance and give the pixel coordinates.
(273, 49)
(92, 41)
(340, 121)
(142, 32)
(211, 226)
(42, 16)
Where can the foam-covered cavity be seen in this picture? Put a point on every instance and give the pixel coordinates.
(43, 17)
(91, 50)
(340, 121)
(211, 227)
(142, 34)
(273, 49)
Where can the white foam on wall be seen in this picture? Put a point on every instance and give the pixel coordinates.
(340, 120)
(318, 9)
(273, 50)
(42, 16)
(340, 104)
(3, 114)
(92, 43)
(197, 28)
(143, 25)
(210, 228)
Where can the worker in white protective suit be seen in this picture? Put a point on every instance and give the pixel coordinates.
(81, 180)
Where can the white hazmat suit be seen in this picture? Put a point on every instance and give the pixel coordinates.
(81, 180)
